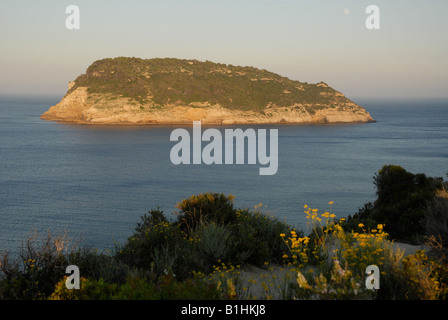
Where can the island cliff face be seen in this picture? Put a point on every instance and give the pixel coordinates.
(173, 91)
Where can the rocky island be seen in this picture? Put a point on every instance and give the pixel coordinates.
(166, 91)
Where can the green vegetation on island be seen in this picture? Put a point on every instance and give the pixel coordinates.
(163, 81)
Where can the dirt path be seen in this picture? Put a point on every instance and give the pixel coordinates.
(272, 282)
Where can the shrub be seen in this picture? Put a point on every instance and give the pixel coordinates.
(400, 205)
(227, 279)
(154, 246)
(338, 283)
(415, 279)
(436, 222)
(205, 208)
(190, 289)
(88, 290)
(213, 241)
(139, 288)
(41, 263)
(150, 219)
(136, 288)
(360, 250)
(255, 238)
(99, 265)
(314, 247)
(208, 229)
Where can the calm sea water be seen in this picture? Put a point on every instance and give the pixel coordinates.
(97, 181)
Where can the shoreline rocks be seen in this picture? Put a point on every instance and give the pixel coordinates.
(80, 107)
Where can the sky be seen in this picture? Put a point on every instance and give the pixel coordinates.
(305, 40)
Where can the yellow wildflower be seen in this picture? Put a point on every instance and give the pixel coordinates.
(301, 281)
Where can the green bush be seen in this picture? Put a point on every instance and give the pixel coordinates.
(415, 277)
(97, 265)
(256, 238)
(207, 229)
(88, 290)
(138, 288)
(436, 222)
(214, 241)
(402, 199)
(205, 208)
(154, 246)
(40, 264)
(190, 289)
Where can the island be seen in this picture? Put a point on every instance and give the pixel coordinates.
(170, 91)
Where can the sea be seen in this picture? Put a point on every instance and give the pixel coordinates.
(94, 183)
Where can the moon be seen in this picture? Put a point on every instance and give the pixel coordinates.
(346, 11)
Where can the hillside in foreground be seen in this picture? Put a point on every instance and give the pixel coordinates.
(174, 91)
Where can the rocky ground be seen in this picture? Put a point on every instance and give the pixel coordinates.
(80, 107)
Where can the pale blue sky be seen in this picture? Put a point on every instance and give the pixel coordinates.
(306, 40)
